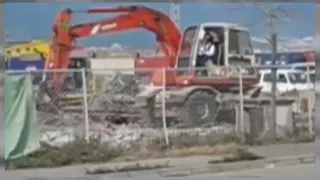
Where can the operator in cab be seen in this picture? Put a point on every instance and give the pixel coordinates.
(207, 54)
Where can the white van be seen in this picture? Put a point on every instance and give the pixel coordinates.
(308, 67)
(287, 80)
(304, 66)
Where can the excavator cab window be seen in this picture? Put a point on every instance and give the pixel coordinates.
(210, 51)
(240, 48)
(186, 47)
(187, 43)
(218, 57)
(240, 51)
(190, 46)
(239, 42)
(193, 42)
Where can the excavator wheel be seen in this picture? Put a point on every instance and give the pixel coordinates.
(199, 109)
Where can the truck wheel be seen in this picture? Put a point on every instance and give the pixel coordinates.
(200, 108)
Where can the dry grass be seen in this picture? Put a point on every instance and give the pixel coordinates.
(239, 154)
(80, 152)
(182, 145)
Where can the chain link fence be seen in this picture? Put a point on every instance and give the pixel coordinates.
(113, 110)
(60, 112)
(116, 105)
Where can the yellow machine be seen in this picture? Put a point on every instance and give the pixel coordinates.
(37, 47)
(42, 48)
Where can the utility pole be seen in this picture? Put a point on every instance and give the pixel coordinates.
(273, 42)
(175, 13)
(272, 16)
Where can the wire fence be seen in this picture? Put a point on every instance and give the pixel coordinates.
(125, 106)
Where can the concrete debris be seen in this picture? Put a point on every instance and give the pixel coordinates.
(124, 135)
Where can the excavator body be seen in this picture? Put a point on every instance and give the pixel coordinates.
(144, 65)
(194, 92)
(195, 97)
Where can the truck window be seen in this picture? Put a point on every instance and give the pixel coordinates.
(267, 77)
(312, 78)
(281, 78)
(298, 78)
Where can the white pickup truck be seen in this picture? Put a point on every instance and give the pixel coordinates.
(287, 80)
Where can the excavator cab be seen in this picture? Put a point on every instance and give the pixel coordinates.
(233, 49)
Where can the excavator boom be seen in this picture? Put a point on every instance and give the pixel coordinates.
(130, 18)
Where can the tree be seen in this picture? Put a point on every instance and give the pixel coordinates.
(272, 16)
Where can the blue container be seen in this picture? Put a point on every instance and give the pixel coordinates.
(32, 65)
(19, 64)
(284, 58)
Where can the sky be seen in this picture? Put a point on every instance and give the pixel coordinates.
(34, 20)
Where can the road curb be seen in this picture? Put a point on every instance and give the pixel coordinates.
(238, 166)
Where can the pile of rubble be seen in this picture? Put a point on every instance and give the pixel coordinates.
(117, 95)
(123, 134)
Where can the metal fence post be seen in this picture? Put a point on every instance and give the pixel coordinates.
(241, 101)
(310, 119)
(164, 119)
(85, 106)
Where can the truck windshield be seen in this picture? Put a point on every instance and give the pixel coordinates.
(297, 77)
(312, 77)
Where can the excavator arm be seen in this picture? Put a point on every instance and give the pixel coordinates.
(130, 18)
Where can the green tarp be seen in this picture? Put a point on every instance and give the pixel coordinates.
(21, 130)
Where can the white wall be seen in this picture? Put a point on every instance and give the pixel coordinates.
(114, 64)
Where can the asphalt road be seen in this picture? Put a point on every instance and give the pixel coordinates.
(281, 173)
(286, 173)
(299, 172)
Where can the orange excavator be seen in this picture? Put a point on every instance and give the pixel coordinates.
(191, 97)
(132, 17)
